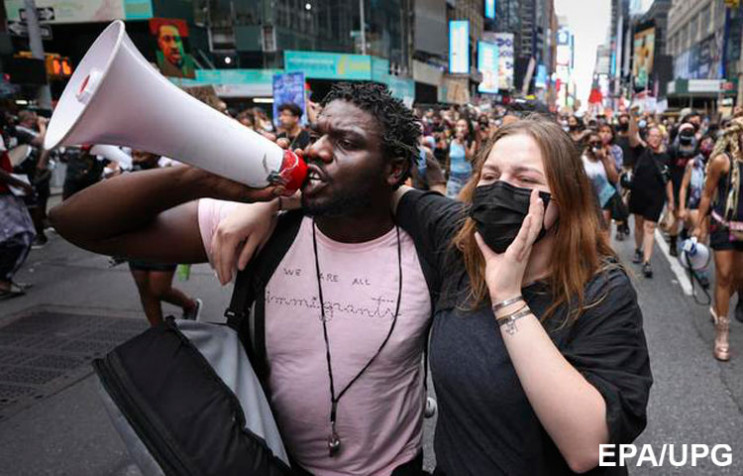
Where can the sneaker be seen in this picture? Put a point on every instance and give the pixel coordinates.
(647, 270)
(739, 309)
(637, 259)
(194, 313)
(625, 229)
(39, 242)
(620, 235)
(673, 251)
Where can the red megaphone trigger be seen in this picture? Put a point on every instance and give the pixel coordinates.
(293, 172)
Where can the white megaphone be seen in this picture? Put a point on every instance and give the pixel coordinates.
(694, 255)
(113, 153)
(116, 97)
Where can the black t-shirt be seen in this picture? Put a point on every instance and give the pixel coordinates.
(649, 169)
(486, 424)
(627, 151)
(300, 141)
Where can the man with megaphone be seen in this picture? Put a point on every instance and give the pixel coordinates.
(347, 305)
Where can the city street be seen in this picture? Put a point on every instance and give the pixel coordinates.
(65, 431)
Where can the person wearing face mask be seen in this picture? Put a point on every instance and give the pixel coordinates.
(601, 171)
(576, 128)
(459, 160)
(721, 199)
(529, 343)
(690, 195)
(651, 189)
(682, 151)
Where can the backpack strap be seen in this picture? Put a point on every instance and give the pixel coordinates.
(246, 313)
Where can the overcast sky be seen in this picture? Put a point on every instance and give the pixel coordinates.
(589, 21)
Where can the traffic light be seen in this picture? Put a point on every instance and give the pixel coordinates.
(58, 67)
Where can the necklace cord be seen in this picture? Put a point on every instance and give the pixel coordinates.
(333, 399)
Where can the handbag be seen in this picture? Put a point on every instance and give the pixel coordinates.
(186, 401)
(618, 209)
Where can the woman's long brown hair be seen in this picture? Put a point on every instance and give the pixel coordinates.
(580, 249)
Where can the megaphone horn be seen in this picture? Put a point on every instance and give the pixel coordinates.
(116, 97)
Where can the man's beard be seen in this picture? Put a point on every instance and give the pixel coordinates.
(340, 204)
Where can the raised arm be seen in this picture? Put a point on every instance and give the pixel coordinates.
(147, 215)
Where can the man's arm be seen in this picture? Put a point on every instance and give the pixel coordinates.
(147, 215)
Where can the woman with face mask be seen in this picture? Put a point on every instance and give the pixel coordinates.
(537, 350)
(601, 170)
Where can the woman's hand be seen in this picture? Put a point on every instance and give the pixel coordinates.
(504, 272)
(239, 235)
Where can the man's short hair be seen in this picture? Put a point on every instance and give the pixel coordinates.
(25, 115)
(398, 125)
(295, 110)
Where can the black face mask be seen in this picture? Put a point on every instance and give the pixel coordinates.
(499, 209)
(623, 127)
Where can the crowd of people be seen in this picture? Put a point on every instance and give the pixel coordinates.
(490, 226)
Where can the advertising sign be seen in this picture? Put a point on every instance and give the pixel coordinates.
(289, 88)
(82, 11)
(490, 9)
(644, 54)
(459, 46)
(487, 65)
(504, 42)
(329, 65)
(541, 80)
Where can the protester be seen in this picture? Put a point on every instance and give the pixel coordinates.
(427, 175)
(154, 279)
(30, 131)
(292, 135)
(576, 128)
(347, 259)
(721, 199)
(611, 149)
(601, 171)
(682, 151)
(459, 159)
(83, 170)
(574, 341)
(16, 228)
(651, 191)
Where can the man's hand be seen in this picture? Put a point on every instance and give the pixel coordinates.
(239, 236)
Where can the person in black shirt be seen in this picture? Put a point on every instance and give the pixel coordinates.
(683, 149)
(721, 198)
(529, 385)
(293, 135)
(651, 188)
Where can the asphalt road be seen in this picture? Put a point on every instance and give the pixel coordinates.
(695, 399)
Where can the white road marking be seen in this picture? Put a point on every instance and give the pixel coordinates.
(681, 274)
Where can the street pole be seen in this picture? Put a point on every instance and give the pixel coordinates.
(362, 26)
(44, 95)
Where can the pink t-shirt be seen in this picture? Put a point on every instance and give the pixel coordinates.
(379, 419)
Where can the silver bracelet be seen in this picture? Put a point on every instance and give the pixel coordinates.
(510, 320)
(501, 304)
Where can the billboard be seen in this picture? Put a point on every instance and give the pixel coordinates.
(329, 65)
(490, 9)
(82, 11)
(487, 64)
(459, 46)
(643, 56)
(172, 54)
(504, 42)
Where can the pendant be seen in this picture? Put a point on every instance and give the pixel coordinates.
(334, 444)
